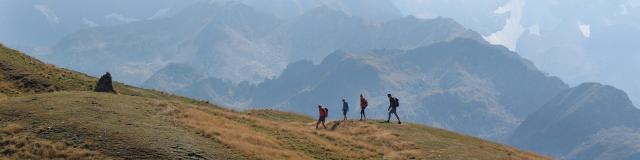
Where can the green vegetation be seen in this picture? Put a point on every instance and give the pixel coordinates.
(50, 113)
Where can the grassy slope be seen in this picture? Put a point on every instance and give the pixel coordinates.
(23, 75)
(72, 122)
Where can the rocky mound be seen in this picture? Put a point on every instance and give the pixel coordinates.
(105, 84)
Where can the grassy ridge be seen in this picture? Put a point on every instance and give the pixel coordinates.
(131, 127)
(21, 74)
(47, 112)
(116, 126)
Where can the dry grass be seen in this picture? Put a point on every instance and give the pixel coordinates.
(235, 135)
(276, 115)
(5, 85)
(122, 127)
(23, 147)
(173, 129)
(369, 140)
(388, 143)
(353, 140)
(11, 128)
(350, 139)
(2, 97)
(20, 146)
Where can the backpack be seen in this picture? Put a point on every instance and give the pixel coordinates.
(396, 102)
(326, 112)
(364, 103)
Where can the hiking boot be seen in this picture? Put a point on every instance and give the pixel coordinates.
(399, 122)
(386, 121)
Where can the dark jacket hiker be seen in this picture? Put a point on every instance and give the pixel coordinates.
(394, 103)
(345, 108)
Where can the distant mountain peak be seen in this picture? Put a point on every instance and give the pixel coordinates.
(574, 116)
(588, 93)
(324, 11)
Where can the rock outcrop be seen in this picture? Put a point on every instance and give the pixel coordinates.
(105, 84)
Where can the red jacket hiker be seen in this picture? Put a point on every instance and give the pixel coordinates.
(323, 113)
(363, 105)
(363, 102)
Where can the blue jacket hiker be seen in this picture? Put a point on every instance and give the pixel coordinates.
(345, 108)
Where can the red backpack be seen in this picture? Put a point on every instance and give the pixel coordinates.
(364, 103)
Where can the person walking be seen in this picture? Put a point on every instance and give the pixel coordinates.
(345, 108)
(394, 103)
(363, 105)
(323, 115)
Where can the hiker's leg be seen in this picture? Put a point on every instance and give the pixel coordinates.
(364, 114)
(325, 127)
(397, 116)
(389, 118)
(317, 123)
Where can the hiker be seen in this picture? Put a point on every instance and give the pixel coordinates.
(345, 108)
(323, 114)
(363, 105)
(394, 103)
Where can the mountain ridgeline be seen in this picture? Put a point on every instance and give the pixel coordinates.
(237, 42)
(590, 121)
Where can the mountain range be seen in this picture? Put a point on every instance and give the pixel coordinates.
(573, 43)
(235, 42)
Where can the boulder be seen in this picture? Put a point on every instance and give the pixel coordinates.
(105, 84)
